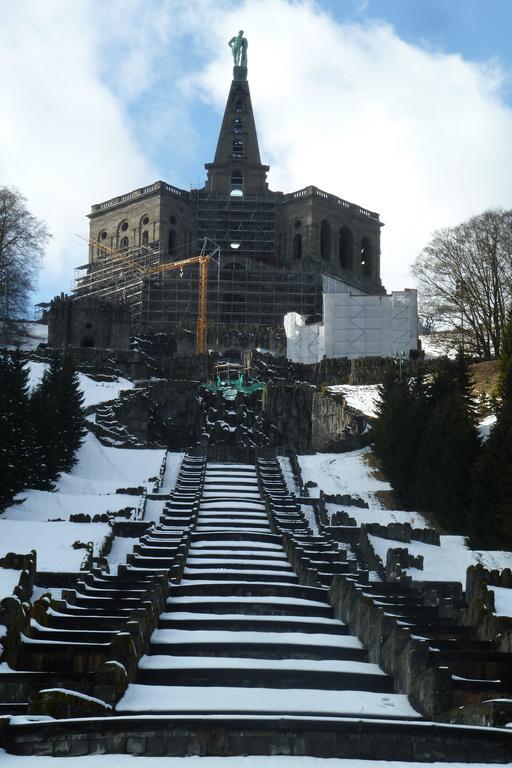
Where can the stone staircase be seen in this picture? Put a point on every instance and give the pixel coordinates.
(240, 623)
(227, 633)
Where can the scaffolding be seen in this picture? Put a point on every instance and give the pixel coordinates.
(258, 295)
(117, 277)
(244, 288)
(243, 226)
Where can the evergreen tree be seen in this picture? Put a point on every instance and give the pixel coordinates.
(449, 448)
(15, 427)
(59, 423)
(71, 415)
(506, 358)
(397, 430)
(491, 509)
(44, 405)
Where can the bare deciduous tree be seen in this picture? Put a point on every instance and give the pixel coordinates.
(23, 238)
(465, 279)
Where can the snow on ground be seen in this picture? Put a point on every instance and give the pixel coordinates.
(364, 397)
(47, 505)
(91, 485)
(94, 392)
(485, 426)
(29, 335)
(53, 542)
(438, 345)
(309, 514)
(172, 469)
(120, 549)
(286, 469)
(154, 510)
(248, 761)
(348, 473)
(448, 562)
(101, 469)
(380, 515)
(90, 488)
(35, 373)
(9, 578)
(502, 600)
(341, 473)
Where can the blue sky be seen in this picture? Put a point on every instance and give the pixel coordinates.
(403, 106)
(477, 29)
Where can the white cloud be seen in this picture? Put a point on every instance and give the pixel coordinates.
(419, 136)
(66, 140)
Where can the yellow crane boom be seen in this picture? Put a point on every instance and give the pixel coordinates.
(202, 301)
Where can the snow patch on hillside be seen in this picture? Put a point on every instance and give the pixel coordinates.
(364, 397)
(102, 469)
(447, 562)
(438, 345)
(53, 542)
(349, 473)
(94, 392)
(89, 488)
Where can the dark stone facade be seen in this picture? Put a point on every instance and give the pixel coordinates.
(275, 247)
(88, 322)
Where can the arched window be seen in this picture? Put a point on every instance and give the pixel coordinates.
(145, 237)
(237, 183)
(346, 248)
(238, 148)
(124, 243)
(325, 240)
(172, 241)
(297, 247)
(238, 125)
(366, 257)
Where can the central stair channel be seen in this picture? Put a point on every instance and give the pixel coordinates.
(242, 637)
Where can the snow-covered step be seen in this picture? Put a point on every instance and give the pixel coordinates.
(262, 605)
(240, 588)
(201, 554)
(263, 673)
(254, 644)
(257, 543)
(235, 621)
(145, 699)
(236, 562)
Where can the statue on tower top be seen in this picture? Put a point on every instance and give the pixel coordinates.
(238, 45)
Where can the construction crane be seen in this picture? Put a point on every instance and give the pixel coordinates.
(202, 299)
(202, 260)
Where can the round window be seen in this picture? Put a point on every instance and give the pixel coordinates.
(103, 235)
(298, 224)
(88, 325)
(124, 226)
(145, 220)
(173, 219)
